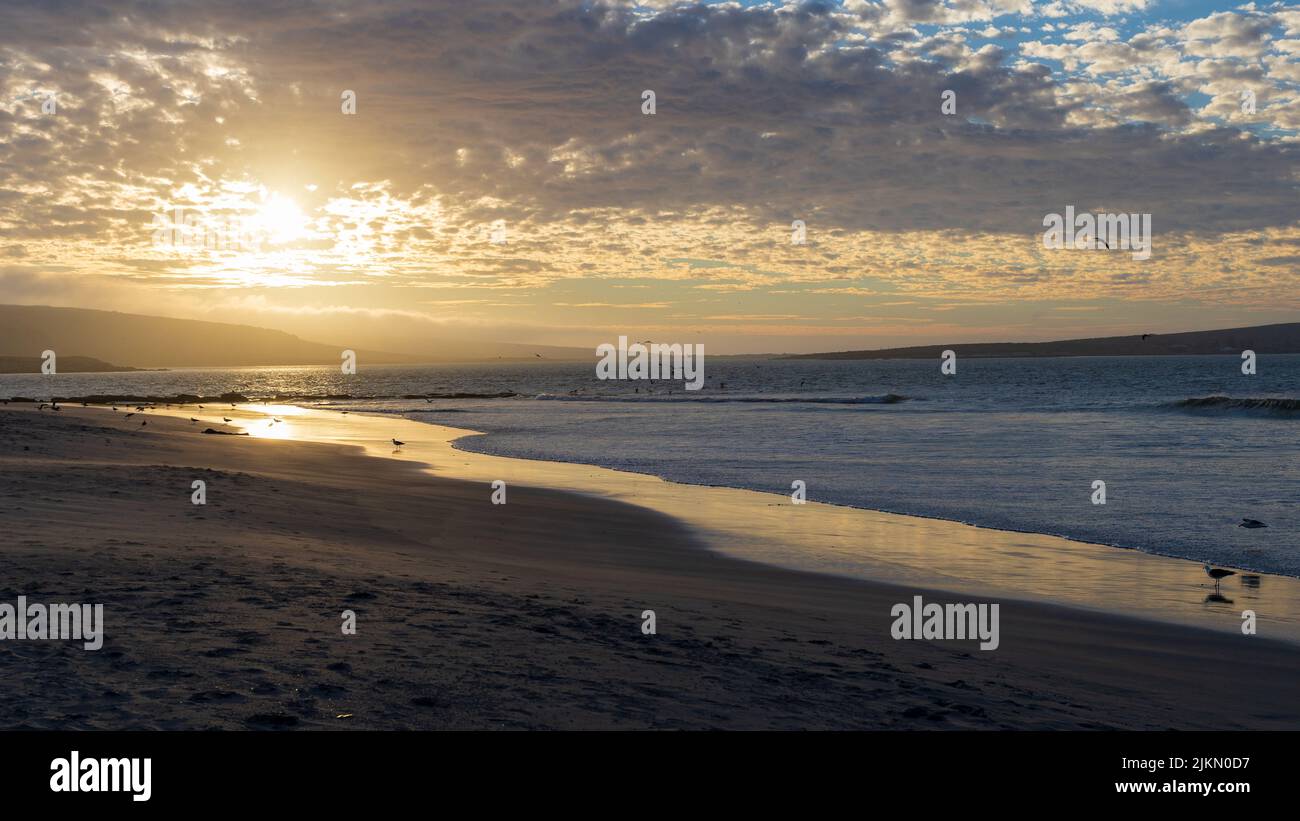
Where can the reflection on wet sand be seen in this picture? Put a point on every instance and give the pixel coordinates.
(927, 553)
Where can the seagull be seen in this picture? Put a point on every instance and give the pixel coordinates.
(399, 444)
(1252, 523)
(1218, 574)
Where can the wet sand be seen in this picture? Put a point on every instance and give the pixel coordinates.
(523, 615)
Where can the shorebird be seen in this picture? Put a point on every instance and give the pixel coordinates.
(192, 419)
(1218, 574)
(397, 443)
(225, 418)
(277, 419)
(128, 416)
(144, 422)
(1252, 523)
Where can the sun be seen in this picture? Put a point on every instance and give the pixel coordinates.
(279, 219)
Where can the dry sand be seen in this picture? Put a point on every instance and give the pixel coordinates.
(527, 615)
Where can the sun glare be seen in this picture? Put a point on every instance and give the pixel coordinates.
(279, 219)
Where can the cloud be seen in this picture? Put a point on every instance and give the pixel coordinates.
(527, 115)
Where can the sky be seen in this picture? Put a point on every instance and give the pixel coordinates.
(498, 177)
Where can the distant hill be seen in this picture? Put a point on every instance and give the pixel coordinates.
(1282, 338)
(62, 364)
(154, 341)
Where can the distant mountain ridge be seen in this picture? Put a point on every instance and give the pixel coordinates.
(153, 341)
(62, 364)
(1263, 339)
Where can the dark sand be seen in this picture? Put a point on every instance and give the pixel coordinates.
(525, 615)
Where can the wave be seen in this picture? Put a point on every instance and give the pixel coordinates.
(885, 399)
(1262, 406)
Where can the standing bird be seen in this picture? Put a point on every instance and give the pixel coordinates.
(397, 443)
(1252, 523)
(1218, 574)
(226, 419)
(192, 419)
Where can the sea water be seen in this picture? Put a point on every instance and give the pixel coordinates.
(1016, 444)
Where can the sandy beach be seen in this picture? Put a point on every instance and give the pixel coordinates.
(524, 615)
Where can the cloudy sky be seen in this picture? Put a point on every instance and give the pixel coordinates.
(500, 180)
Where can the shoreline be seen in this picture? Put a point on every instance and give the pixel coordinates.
(1096, 577)
(474, 615)
(1008, 530)
(1100, 578)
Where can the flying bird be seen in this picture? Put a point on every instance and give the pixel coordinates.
(1253, 524)
(1218, 574)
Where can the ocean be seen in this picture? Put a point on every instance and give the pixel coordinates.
(1186, 446)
